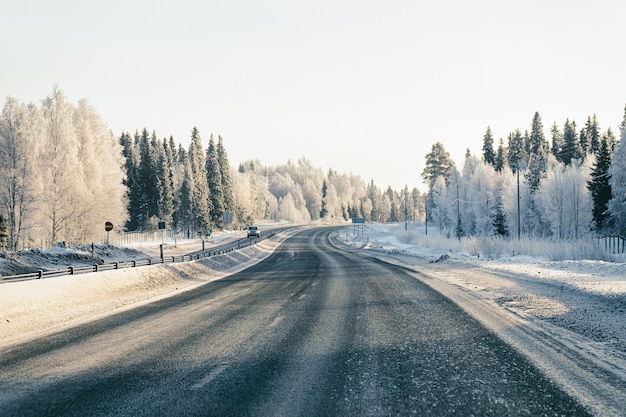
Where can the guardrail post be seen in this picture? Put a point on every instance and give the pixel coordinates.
(173, 259)
(71, 269)
(95, 268)
(134, 263)
(39, 274)
(116, 266)
(149, 261)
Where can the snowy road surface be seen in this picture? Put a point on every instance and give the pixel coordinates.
(311, 330)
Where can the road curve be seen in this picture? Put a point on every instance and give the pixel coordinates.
(310, 331)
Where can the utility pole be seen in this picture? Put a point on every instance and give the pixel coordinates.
(458, 211)
(518, 207)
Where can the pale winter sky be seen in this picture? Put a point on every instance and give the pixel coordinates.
(358, 86)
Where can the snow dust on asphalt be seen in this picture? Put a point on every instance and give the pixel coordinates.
(567, 317)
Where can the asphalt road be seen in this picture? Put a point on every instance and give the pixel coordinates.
(311, 331)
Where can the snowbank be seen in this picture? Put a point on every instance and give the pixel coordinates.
(30, 309)
(566, 316)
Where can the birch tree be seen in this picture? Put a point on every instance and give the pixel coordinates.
(19, 128)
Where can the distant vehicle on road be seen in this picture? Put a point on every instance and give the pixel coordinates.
(254, 231)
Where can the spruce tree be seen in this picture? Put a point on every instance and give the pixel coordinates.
(538, 149)
(163, 181)
(225, 169)
(132, 181)
(500, 161)
(183, 214)
(571, 147)
(324, 211)
(200, 195)
(592, 135)
(617, 181)
(600, 188)
(557, 142)
(516, 156)
(488, 153)
(498, 217)
(214, 180)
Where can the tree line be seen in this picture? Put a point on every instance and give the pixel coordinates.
(63, 174)
(565, 187)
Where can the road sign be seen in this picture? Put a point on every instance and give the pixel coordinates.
(108, 226)
(358, 220)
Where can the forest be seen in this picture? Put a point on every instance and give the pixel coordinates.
(570, 186)
(63, 174)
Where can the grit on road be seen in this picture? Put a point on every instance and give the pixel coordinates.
(310, 331)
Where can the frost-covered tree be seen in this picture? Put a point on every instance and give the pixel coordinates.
(100, 161)
(19, 130)
(565, 200)
(64, 206)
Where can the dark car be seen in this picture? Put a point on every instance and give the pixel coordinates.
(254, 231)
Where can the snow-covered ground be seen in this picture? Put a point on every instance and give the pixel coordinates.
(567, 316)
(34, 308)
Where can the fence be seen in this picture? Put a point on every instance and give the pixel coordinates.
(613, 244)
(71, 270)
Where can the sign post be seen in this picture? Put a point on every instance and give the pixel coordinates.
(108, 226)
(358, 221)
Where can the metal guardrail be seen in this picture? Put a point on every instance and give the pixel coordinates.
(72, 270)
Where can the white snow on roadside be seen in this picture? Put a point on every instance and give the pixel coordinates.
(34, 308)
(560, 314)
(579, 306)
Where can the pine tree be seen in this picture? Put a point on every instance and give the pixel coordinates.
(599, 186)
(488, 153)
(200, 195)
(214, 179)
(438, 164)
